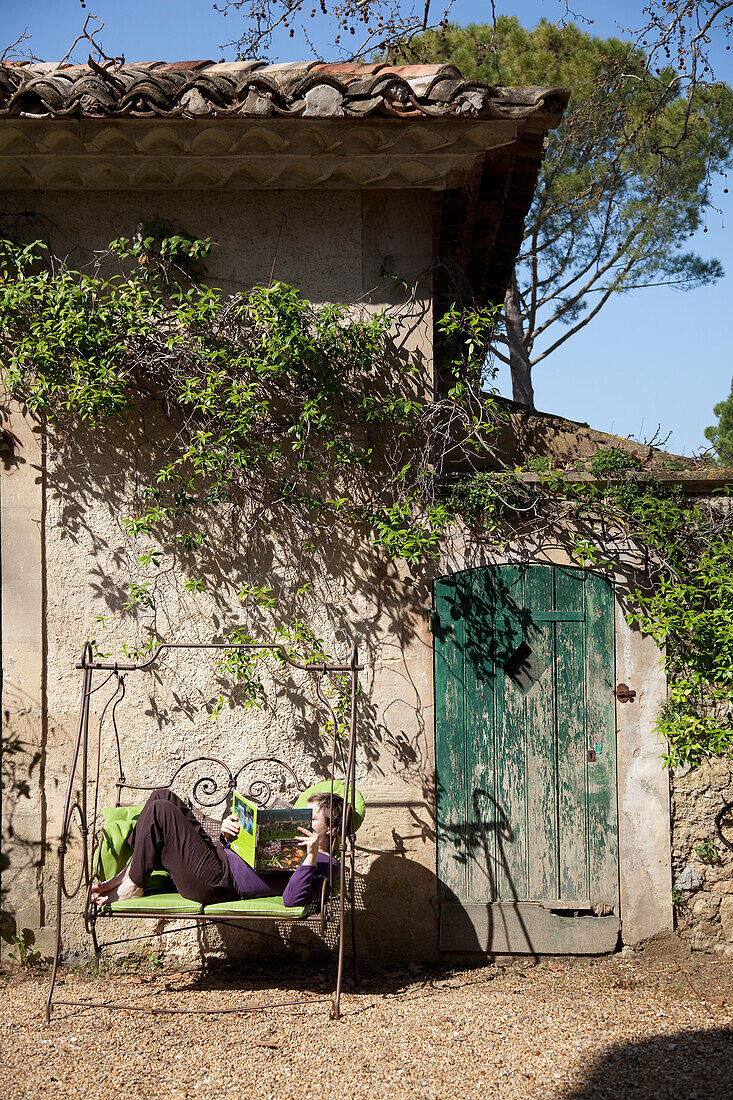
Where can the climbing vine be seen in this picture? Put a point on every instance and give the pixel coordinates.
(297, 417)
(676, 552)
(311, 419)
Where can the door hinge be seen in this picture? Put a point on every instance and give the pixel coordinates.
(434, 622)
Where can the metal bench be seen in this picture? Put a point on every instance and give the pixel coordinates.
(100, 834)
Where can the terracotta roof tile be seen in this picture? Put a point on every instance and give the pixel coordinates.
(189, 89)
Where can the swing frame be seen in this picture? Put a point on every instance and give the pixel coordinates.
(206, 794)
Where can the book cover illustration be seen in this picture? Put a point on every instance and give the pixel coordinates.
(277, 846)
(246, 814)
(268, 839)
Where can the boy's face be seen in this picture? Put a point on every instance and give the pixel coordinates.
(319, 820)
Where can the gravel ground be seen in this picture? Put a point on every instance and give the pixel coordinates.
(617, 1027)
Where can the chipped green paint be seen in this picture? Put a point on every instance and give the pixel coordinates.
(524, 676)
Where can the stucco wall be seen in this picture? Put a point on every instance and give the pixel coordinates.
(23, 684)
(92, 480)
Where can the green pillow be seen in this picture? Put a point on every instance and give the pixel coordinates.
(114, 851)
(338, 788)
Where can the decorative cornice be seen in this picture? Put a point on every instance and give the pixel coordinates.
(245, 153)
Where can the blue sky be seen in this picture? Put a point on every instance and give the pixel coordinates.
(650, 357)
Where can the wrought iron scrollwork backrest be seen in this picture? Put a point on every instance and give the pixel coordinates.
(215, 790)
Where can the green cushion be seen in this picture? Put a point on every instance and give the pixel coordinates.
(115, 852)
(160, 882)
(256, 907)
(338, 788)
(150, 904)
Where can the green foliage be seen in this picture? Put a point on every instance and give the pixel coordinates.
(611, 460)
(686, 601)
(464, 341)
(706, 852)
(679, 898)
(163, 254)
(691, 614)
(25, 953)
(721, 434)
(278, 400)
(624, 181)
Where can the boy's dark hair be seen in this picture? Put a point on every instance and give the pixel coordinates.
(333, 817)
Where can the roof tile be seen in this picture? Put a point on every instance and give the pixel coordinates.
(195, 89)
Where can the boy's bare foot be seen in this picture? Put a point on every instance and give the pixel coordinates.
(124, 890)
(100, 889)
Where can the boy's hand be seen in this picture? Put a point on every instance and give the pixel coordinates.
(230, 827)
(310, 841)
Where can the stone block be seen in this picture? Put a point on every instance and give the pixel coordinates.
(726, 917)
(705, 906)
(688, 879)
(723, 887)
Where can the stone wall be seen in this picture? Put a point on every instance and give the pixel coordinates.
(702, 862)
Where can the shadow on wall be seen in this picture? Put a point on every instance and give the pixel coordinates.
(397, 921)
(97, 479)
(687, 1065)
(95, 483)
(483, 843)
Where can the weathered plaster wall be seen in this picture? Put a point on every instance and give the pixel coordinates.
(21, 539)
(643, 789)
(702, 861)
(89, 560)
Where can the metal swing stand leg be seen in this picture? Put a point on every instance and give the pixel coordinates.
(347, 834)
(352, 896)
(82, 742)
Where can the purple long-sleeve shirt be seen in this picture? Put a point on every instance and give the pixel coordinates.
(298, 887)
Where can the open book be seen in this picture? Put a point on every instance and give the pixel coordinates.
(268, 839)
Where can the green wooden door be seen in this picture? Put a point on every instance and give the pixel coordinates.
(525, 760)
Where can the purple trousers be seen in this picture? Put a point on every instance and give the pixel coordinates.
(168, 837)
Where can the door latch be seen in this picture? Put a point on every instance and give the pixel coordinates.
(624, 693)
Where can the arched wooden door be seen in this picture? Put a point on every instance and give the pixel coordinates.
(526, 760)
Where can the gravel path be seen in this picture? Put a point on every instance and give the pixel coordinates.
(618, 1027)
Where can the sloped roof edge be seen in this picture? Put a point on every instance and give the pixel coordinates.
(194, 89)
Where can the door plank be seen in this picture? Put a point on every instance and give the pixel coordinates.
(571, 738)
(601, 732)
(572, 762)
(451, 741)
(510, 782)
(524, 929)
(481, 811)
(542, 837)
